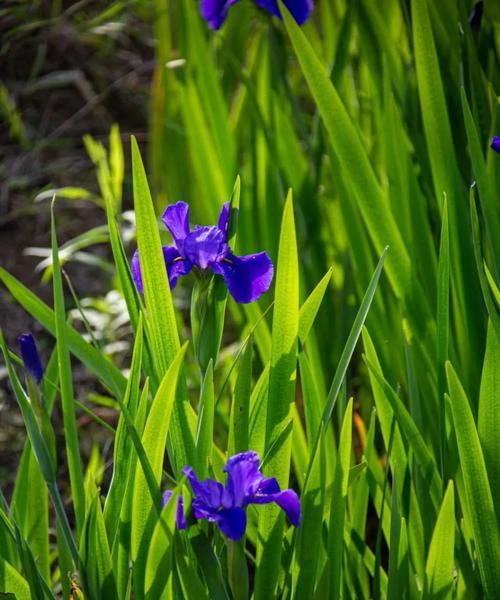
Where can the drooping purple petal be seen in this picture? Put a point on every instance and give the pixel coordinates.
(247, 277)
(224, 219)
(30, 356)
(180, 519)
(300, 9)
(269, 491)
(495, 143)
(289, 501)
(176, 219)
(205, 245)
(215, 11)
(232, 522)
(244, 476)
(174, 263)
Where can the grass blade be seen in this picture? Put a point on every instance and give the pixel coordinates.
(440, 560)
(488, 421)
(205, 429)
(281, 396)
(477, 490)
(350, 151)
(145, 507)
(66, 387)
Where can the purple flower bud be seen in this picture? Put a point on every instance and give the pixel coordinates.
(30, 356)
(476, 16)
(206, 248)
(495, 143)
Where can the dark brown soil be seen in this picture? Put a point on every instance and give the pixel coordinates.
(66, 75)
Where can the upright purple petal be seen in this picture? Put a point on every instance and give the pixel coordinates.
(180, 519)
(495, 143)
(247, 277)
(300, 9)
(205, 245)
(176, 219)
(244, 476)
(30, 356)
(209, 493)
(174, 263)
(215, 11)
(224, 219)
(232, 522)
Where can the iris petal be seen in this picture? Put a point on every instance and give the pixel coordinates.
(176, 219)
(232, 522)
(215, 11)
(209, 493)
(300, 9)
(269, 491)
(180, 519)
(205, 245)
(244, 476)
(247, 277)
(495, 143)
(174, 263)
(224, 219)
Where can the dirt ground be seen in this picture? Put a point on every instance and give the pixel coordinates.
(63, 76)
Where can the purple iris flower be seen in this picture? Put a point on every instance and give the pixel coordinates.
(245, 485)
(495, 143)
(180, 519)
(215, 11)
(206, 247)
(30, 356)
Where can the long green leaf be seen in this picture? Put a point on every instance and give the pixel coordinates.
(486, 194)
(29, 508)
(338, 504)
(240, 409)
(13, 583)
(205, 429)
(350, 151)
(488, 416)
(95, 553)
(154, 441)
(440, 560)
(66, 385)
(123, 450)
(477, 490)
(309, 309)
(345, 358)
(281, 396)
(165, 339)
